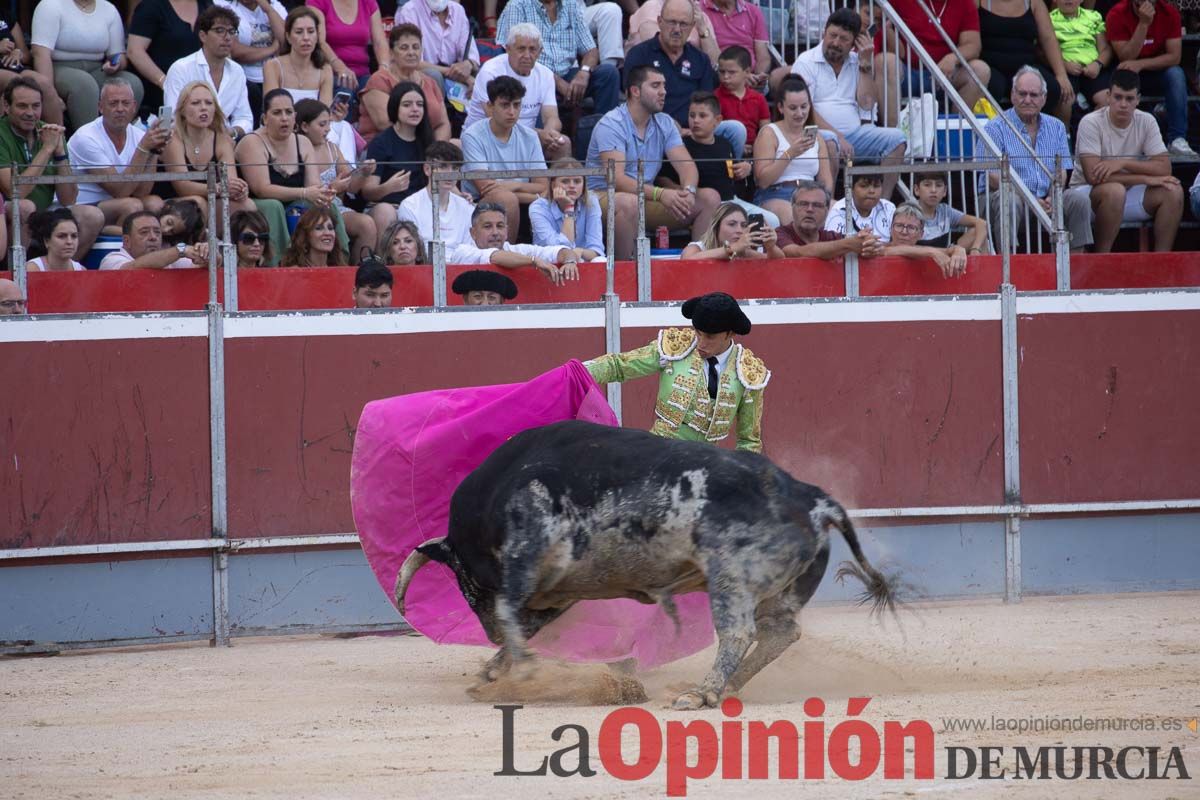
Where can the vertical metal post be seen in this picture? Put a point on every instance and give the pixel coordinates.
(228, 260)
(216, 421)
(1062, 238)
(850, 261)
(1006, 220)
(612, 303)
(643, 241)
(1012, 441)
(16, 259)
(437, 245)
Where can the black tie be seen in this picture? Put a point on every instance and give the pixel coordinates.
(712, 377)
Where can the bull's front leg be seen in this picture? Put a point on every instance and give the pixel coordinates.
(733, 617)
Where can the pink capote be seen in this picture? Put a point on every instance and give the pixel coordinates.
(411, 452)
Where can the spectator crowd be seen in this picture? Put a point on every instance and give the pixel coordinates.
(329, 131)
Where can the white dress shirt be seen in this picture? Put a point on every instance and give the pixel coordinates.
(231, 94)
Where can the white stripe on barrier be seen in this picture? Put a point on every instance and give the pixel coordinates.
(1103, 302)
(55, 328)
(99, 327)
(785, 312)
(349, 323)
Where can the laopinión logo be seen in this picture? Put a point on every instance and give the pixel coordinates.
(806, 751)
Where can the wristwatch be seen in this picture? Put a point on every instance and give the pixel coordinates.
(181, 248)
(690, 189)
(585, 68)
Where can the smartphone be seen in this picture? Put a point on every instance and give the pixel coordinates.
(115, 59)
(166, 117)
(342, 96)
(810, 130)
(872, 29)
(758, 221)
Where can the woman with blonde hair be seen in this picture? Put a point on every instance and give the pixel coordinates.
(200, 139)
(315, 242)
(568, 216)
(732, 236)
(401, 245)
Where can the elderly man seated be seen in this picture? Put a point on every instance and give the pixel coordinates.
(482, 287)
(907, 226)
(490, 245)
(1046, 136)
(806, 237)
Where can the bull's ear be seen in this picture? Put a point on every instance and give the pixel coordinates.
(437, 551)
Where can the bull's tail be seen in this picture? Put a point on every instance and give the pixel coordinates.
(878, 590)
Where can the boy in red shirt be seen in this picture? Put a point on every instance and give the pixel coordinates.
(737, 100)
(1147, 37)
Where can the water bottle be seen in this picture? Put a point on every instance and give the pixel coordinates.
(293, 216)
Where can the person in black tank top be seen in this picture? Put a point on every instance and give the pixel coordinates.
(1012, 41)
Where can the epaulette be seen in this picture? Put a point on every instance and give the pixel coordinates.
(751, 370)
(675, 344)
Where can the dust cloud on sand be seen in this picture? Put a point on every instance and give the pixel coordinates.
(391, 716)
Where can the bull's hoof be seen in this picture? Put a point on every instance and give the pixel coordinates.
(523, 670)
(694, 701)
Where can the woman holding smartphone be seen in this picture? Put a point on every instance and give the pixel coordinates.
(199, 140)
(732, 236)
(312, 121)
(789, 151)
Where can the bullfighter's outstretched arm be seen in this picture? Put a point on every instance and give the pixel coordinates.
(621, 367)
(749, 421)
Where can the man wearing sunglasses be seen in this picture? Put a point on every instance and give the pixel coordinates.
(141, 240)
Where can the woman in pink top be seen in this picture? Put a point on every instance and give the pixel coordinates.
(345, 42)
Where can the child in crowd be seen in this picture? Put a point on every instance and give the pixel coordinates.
(941, 219)
(569, 216)
(454, 221)
(871, 211)
(719, 169)
(1086, 53)
(737, 100)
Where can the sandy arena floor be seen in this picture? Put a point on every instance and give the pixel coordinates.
(389, 716)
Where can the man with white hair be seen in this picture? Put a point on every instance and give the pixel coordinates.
(523, 45)
(109, 145)
(569, 50)
(1047, 137)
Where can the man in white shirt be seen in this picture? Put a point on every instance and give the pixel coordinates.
(141, 247)
(522, 48)
(842, 87)
(217, 28)
(110, 140)
(489, 245)
(454, 221)
(871, 211)
(260, 32)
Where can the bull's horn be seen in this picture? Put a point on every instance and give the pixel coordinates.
(416, 559)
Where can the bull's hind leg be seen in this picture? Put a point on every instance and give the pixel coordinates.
(777, 621)
(777, 631)
(733, 617)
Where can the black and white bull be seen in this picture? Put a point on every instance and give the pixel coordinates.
(575, 511)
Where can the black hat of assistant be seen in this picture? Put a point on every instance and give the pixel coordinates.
(484, 280)
(716, 312)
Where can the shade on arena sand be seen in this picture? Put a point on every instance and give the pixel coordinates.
(412, 451)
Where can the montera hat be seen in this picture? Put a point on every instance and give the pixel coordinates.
(716, 312)
(484, 280)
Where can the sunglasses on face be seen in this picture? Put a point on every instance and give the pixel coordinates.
(248, 238)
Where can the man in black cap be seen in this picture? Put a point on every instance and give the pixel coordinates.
(705, 379)
(481, 287)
